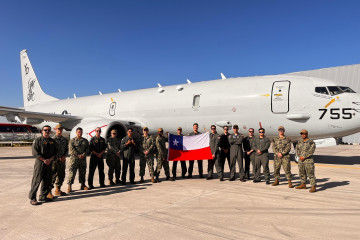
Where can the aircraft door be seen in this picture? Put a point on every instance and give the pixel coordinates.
(280, 96)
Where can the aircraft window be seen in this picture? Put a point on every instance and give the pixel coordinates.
(334, 90)
(347, 90)
(321, 90)
(196, 102)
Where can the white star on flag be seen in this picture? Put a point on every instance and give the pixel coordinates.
(175, 142)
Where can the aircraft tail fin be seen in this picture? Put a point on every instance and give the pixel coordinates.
(32, 92)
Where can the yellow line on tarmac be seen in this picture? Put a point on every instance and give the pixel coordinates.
(329, 166)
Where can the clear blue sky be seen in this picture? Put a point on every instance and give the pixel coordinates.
(85, 46)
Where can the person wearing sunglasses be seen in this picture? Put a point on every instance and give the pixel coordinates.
(160, 142)
(148, 149)
(128, 147)
(78, 148)
(305, 149)
(261, 145)
(183, 163)
(113, 158)
(281, 146)
(215, 146)
(44, 150)
(97, 149)
(236, 154)
(249, 154)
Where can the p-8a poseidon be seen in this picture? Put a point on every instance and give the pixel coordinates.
(295, 102)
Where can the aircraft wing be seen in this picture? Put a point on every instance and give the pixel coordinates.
(22, 114)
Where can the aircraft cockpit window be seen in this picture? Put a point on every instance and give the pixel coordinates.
(334, 90)
(321, 90)
(347, 89)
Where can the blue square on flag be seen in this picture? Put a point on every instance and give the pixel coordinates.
(176, 142)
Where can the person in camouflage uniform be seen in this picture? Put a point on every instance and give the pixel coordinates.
(236, 154)
(305, 149)
(113, 158)
(147, 155)
(44, 150)
(162, 156)
(78, 148)
(281, 146)
(261, 145)
(59, 163)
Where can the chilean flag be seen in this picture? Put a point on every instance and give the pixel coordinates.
(196, 147)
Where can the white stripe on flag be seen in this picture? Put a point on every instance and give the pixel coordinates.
(196, 141)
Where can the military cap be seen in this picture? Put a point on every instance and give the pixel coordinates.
(160, 130)
(304, 131)
(179, 128)
(146, 129)
(235, 126)
(58, 126)
(113, 131)
(281, 128)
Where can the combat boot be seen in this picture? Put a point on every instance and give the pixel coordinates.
(313, 189)
(84, 187)
(111, 183)
(301, 186)
(157, 179)
(57, 191)
(153, 180)
(50, 196)
(276, 182)
(142, 180)
(290, 184)
(118, 181)
(69, 190)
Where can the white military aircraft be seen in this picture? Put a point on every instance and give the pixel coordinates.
(295, 102)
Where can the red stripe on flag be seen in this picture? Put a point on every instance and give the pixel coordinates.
(182, 155)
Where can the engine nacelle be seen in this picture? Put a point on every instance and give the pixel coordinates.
(106, 126)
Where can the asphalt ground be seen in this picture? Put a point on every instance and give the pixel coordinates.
(187, 208)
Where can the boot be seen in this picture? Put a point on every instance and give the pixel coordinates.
(118, 181)
(57, 191)
(313, 189)
(84, 187)
(111, 183)
(153, 180)
(276, 182)
(142, 180)
(301, 186)
(50, 196)
(157, 179)
(69, 190)
(290, 184)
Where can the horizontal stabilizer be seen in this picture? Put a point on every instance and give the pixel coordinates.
(22, 114)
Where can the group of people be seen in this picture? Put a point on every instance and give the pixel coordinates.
(50, 154)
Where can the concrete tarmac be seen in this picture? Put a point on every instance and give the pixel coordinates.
(187, 208)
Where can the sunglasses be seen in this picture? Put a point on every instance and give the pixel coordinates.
(46, 130)
(113, 133)
(251, 131)
(213, 128)
(130, 131)
(303, 133)
(261, 132)
(97, 131)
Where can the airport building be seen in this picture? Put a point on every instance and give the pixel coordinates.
(348, 75)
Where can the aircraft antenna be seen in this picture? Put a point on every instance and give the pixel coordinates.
(222, 76)
(188, 81)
